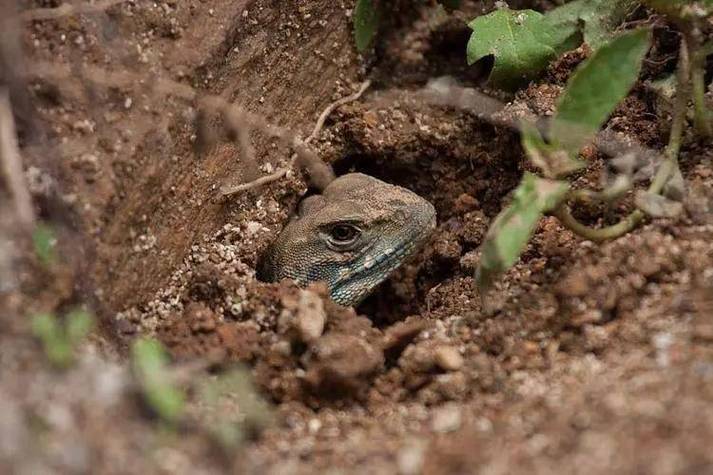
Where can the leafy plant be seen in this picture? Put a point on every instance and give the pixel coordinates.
(585, 105)
(583, 108)
(60, 338)
(511, 230)
(366, 23)
(150, 363)
(523, 42)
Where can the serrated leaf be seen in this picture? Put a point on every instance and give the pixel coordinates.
(595, 89)
(150, 363)
(513, 227)
(597, 19)
(520, 40)
(523, 42)
(366, 23)
(553, 161)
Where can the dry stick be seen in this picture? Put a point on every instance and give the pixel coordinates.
(12, 163)
(302, 152)
(665, 171)
(303, 156)
(67, 10)
(238, 131)
(123, 79)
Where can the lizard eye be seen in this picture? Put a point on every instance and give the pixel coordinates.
(343, 234)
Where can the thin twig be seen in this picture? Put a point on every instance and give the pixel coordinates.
(67, 10)
(330, 108)
(239, 132)
(319, 171)
(12, 163)
(163, 86)
(281, 172)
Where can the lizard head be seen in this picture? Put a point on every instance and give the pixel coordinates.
(352, 237)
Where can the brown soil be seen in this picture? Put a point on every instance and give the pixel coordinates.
(585, 359)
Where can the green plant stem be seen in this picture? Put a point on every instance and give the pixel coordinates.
(702, 119)
(706, 49)
(598, 234)
(665, 171)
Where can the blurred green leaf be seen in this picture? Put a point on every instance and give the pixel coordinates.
(595, 89)
(552, 160)
(57, 347)
(78, 325)
(150, 363)
(657, 206)
(512, 228)
(44, 242)
(366, 23)
(248, 412)
(683, 9)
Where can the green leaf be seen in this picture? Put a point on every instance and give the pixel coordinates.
(524, 42)
(150, 363)
(47, 328)
(78, 325)
(601, 19)
(513, 227)
(657, 206)
(552, 160)
(366, 23)
(520, 40)
(44, 242)
(595, 89)
(230, 429)
(597, 19)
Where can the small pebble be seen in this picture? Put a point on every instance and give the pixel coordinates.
(448, 358)
(446, 419)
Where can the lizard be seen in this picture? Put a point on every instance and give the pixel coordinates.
(352, 236)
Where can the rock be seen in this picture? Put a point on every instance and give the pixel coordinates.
(304, 317)
(398, 336)
(200, 318)
(311, 317)
(446, 418)
(342, 363)
(448, 359)
(409, 458)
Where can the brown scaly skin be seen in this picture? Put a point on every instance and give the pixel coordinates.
(352, 237)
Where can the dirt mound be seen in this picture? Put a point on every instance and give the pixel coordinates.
(584, 358)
